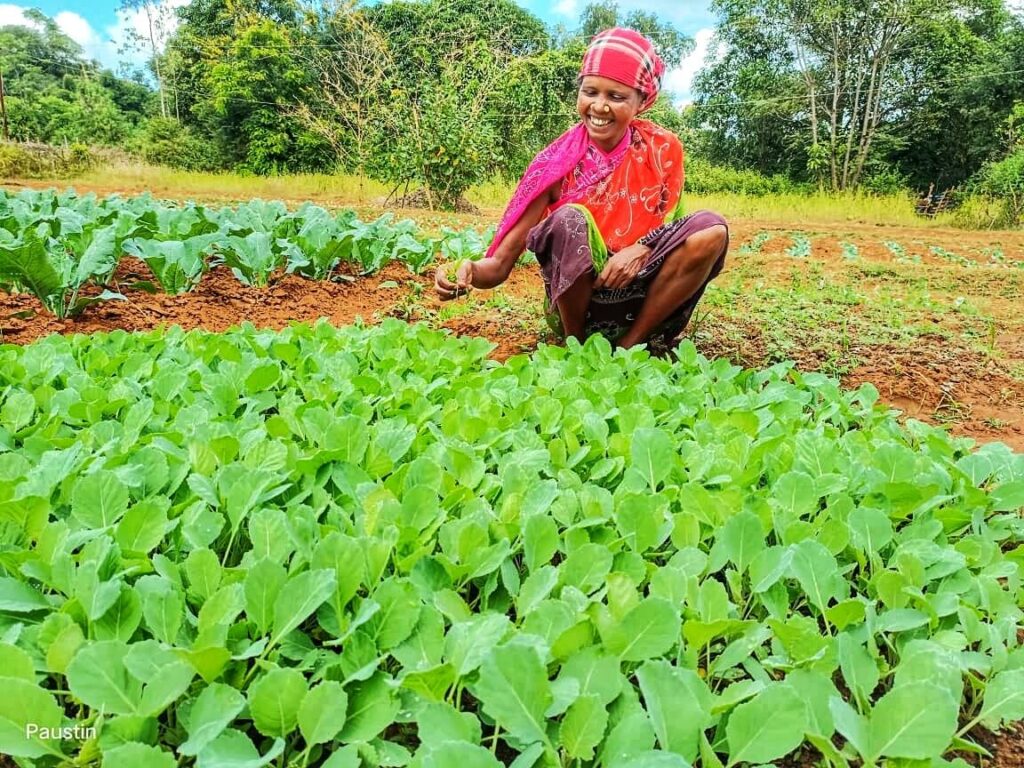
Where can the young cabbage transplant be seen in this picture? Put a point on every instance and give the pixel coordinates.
(602, 209)
(368, 547)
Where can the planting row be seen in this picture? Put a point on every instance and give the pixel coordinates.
(65, 248)
(374, 547)
(801, 248)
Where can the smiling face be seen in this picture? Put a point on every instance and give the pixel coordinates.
(607, 107)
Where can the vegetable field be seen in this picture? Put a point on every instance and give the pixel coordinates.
(378, 545)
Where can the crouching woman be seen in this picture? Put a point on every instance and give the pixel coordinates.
(601, 209)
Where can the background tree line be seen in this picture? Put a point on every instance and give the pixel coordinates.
(819, 94)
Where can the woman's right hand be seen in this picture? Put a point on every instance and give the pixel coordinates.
(446, 289)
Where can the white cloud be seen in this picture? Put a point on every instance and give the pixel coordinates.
(679, 81)
(570, 8)
(78, 29)
(109, 47)
(14, 15)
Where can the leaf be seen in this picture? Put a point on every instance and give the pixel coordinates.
(459, 754)
(655, 759)
(1004, 699)
(163, 607)
(98, 677)
(27, 715)
(232, 749)
(818, 573)
(741, 539)
(653, 454)
(595, 674)
(768, 727)
(18, 597)
(299, 598)
(398, 615)
(323, 712)
(137, 755)
(29, 264)
(14, 662)
(142, 528)
(1009, 496)
(274, 701)
(870, 529)
(648, 630)
(583, 727)
(678, 702)
(211, 712)
(515, 691)
(860, 671)
(372, 707)
(438, 722)
(640, 520)
(99, 500)
(901, 727)
(263, 584)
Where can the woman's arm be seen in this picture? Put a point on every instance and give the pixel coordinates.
(492, 272)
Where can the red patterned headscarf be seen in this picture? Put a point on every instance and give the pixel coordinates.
(626, 56)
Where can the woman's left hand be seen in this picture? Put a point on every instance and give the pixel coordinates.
(623, 267)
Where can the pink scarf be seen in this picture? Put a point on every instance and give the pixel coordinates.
(554, 163)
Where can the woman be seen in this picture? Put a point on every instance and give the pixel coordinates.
(600, 207)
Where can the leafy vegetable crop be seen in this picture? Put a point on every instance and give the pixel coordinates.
(756, 244)
(374, 547)
(64, 248)
(801, 247)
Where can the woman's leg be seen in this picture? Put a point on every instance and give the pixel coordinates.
(562, 245)
(684, 272)
(572, 306)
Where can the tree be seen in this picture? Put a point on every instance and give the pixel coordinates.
(824, 88)
(671, 44)
(55, 95)
(243, 80)
(159, 18)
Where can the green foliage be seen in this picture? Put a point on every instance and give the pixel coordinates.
(28, 161)
(360, 547)
(56, 246)
(1003, 183)
(165, 141)
(55, 96)
(443, 142)
(704, 178)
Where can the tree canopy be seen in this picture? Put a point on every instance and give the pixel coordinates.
(839, 94)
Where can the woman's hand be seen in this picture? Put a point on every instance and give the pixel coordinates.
(448, 290)
(623, 267)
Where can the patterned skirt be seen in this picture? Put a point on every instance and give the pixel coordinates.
(563, 244)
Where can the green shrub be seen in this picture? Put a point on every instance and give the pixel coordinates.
(33, 161)
(165, 141)
(703, 178)
(1001, 185)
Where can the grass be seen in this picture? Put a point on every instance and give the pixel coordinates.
(795, 210)
(799, 211)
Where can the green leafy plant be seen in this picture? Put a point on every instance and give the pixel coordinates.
(177, 265)
(756, 244)
(253, 258)
(45, 267)
(373, 546)
(801, 247)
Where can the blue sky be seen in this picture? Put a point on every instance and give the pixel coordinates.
(100, 28)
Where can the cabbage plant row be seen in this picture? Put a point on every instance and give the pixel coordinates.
(65, 248)
(375, 547)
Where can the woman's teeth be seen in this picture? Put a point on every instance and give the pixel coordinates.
(599, 122)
